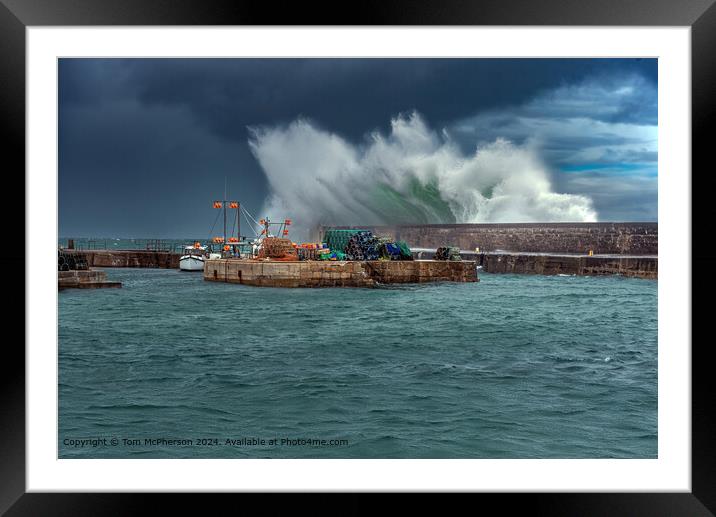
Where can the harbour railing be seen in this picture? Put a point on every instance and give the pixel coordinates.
(166, 245)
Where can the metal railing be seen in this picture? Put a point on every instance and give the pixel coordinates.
(88, 244)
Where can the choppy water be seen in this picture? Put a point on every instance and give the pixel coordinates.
(511, 367)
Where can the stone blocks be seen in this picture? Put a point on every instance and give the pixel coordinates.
(337, 274)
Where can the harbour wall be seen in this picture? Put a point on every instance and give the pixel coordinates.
(549, 264)
(638, 266)
(131, 258)
(602, 238)
(84, 279)
(337, 273)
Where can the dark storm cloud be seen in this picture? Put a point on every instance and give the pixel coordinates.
(147, 171)
(350, 96)
(94, 81)
(142, 139)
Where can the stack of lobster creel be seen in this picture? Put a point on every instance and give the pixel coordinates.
(310, 250)
(276, 248)
(362, 246)
(337, 239)
(448, 253)
(390, 250)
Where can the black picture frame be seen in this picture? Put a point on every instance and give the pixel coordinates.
(700, 15)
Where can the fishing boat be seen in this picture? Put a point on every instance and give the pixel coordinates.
(193, 258)
(228, 245)
(238, 246)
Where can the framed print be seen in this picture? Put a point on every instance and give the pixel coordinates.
(416, 250)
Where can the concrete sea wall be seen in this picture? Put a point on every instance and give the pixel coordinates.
(84, 280)
(337, 274)
(638, 266)
(602, 238)
(545, 264)
(131, 258)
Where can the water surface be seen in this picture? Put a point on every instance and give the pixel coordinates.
(510, 367)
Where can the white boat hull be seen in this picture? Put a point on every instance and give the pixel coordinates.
(191, 263)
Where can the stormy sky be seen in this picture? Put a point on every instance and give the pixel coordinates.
(145, 145)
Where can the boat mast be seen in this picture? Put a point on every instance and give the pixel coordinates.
(267, 223)
(224, 205)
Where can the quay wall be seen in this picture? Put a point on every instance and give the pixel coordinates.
(337, 273)
(84, 280)
(131, 258)
(631, 266)
(603, 238)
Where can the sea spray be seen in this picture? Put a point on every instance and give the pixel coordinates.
(411, 175)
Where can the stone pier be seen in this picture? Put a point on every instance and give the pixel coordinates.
(131, 258)
(88, 279)
(337, 273)
(639, 266)
(628, 238)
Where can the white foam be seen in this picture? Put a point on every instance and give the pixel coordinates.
(411, 175)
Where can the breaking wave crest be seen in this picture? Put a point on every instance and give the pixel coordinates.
(412, 175)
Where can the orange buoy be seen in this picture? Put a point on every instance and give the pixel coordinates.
(227, 247)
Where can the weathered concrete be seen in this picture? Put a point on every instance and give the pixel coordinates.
(87, 279)
(619, 238)
(555, 264)
(131, 258)
(337, 273)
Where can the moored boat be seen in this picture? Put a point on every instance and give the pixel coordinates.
(193, 258)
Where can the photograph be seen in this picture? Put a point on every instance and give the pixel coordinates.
(413, 248)
(357, 257)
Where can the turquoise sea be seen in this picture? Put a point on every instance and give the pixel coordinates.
(170, 366)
